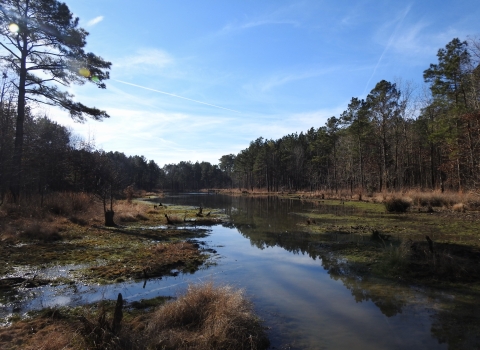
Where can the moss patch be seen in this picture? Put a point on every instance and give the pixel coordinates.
(148, 247)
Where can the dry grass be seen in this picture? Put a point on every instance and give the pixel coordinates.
(29, 220)
(40, 231)
(397, 257)
(459, 207)
(46, 332)
(396, 204)
(68, 203)
(131, 212)
(32, 230)
(207, 317)
(434, 198)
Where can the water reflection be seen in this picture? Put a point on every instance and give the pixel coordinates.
(421, 318)
(309, 296)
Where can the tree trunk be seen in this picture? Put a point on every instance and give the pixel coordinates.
(109, 218)
(18, 150)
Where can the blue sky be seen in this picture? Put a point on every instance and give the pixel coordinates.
(260, 68)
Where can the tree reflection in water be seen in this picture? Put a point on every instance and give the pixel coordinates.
(272, 222)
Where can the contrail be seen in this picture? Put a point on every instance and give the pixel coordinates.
(390, 40)
(169, 94)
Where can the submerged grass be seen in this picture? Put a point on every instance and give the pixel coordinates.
(401, 250)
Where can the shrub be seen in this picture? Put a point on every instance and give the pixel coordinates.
(396, 204)
(35, 231)
(207, 317)
(78, 221)
(435, 199)
(131, 212)
(459, 207)
(68, 203)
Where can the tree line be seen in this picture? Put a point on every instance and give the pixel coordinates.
(395, 138)
(54, 159)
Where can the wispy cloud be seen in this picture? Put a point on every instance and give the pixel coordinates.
(177, 96)
(317, 118)
(94, 21)
(291, 15)
(279, 79)
(422, 39)
(390, 41)
(146, 59)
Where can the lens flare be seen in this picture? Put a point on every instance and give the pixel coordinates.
(95, 79)
(13, 27)
(84, 72)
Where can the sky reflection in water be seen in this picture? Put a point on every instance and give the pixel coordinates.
(305, 305)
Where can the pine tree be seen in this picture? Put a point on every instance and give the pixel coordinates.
(44, 46)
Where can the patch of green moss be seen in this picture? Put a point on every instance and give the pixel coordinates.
(148, 303)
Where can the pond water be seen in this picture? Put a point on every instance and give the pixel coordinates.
(308, 300)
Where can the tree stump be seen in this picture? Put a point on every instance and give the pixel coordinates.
(118, 315)
(109, 218)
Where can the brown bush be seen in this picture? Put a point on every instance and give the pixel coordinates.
(459, 207)
(131, 212)
(397, 205)
(434, 198)
(41, 232)
(77, 220)
(68, 203)
(207, 317)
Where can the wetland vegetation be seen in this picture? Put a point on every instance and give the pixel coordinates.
(380, 257)
(373, 216)
(144, 246)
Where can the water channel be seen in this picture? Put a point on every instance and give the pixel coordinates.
(307, 299)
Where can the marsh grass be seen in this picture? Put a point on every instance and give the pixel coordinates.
(448, 262)
(131, 212)
(207, 317)
(175, 219)
(459, 207)
(102, 329)
(68, 203)
(41, 231)
(397, 257)
(396, 204)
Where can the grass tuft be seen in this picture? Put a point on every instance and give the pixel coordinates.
(207, 317)
(459, 207)
(396, 205)
(36, 231)
(131, 212)
(397, 257)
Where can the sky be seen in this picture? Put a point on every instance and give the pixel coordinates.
(194, 80)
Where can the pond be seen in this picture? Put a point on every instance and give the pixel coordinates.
(308, 299)
(311, 300)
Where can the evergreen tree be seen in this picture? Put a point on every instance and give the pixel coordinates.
(42, 36)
